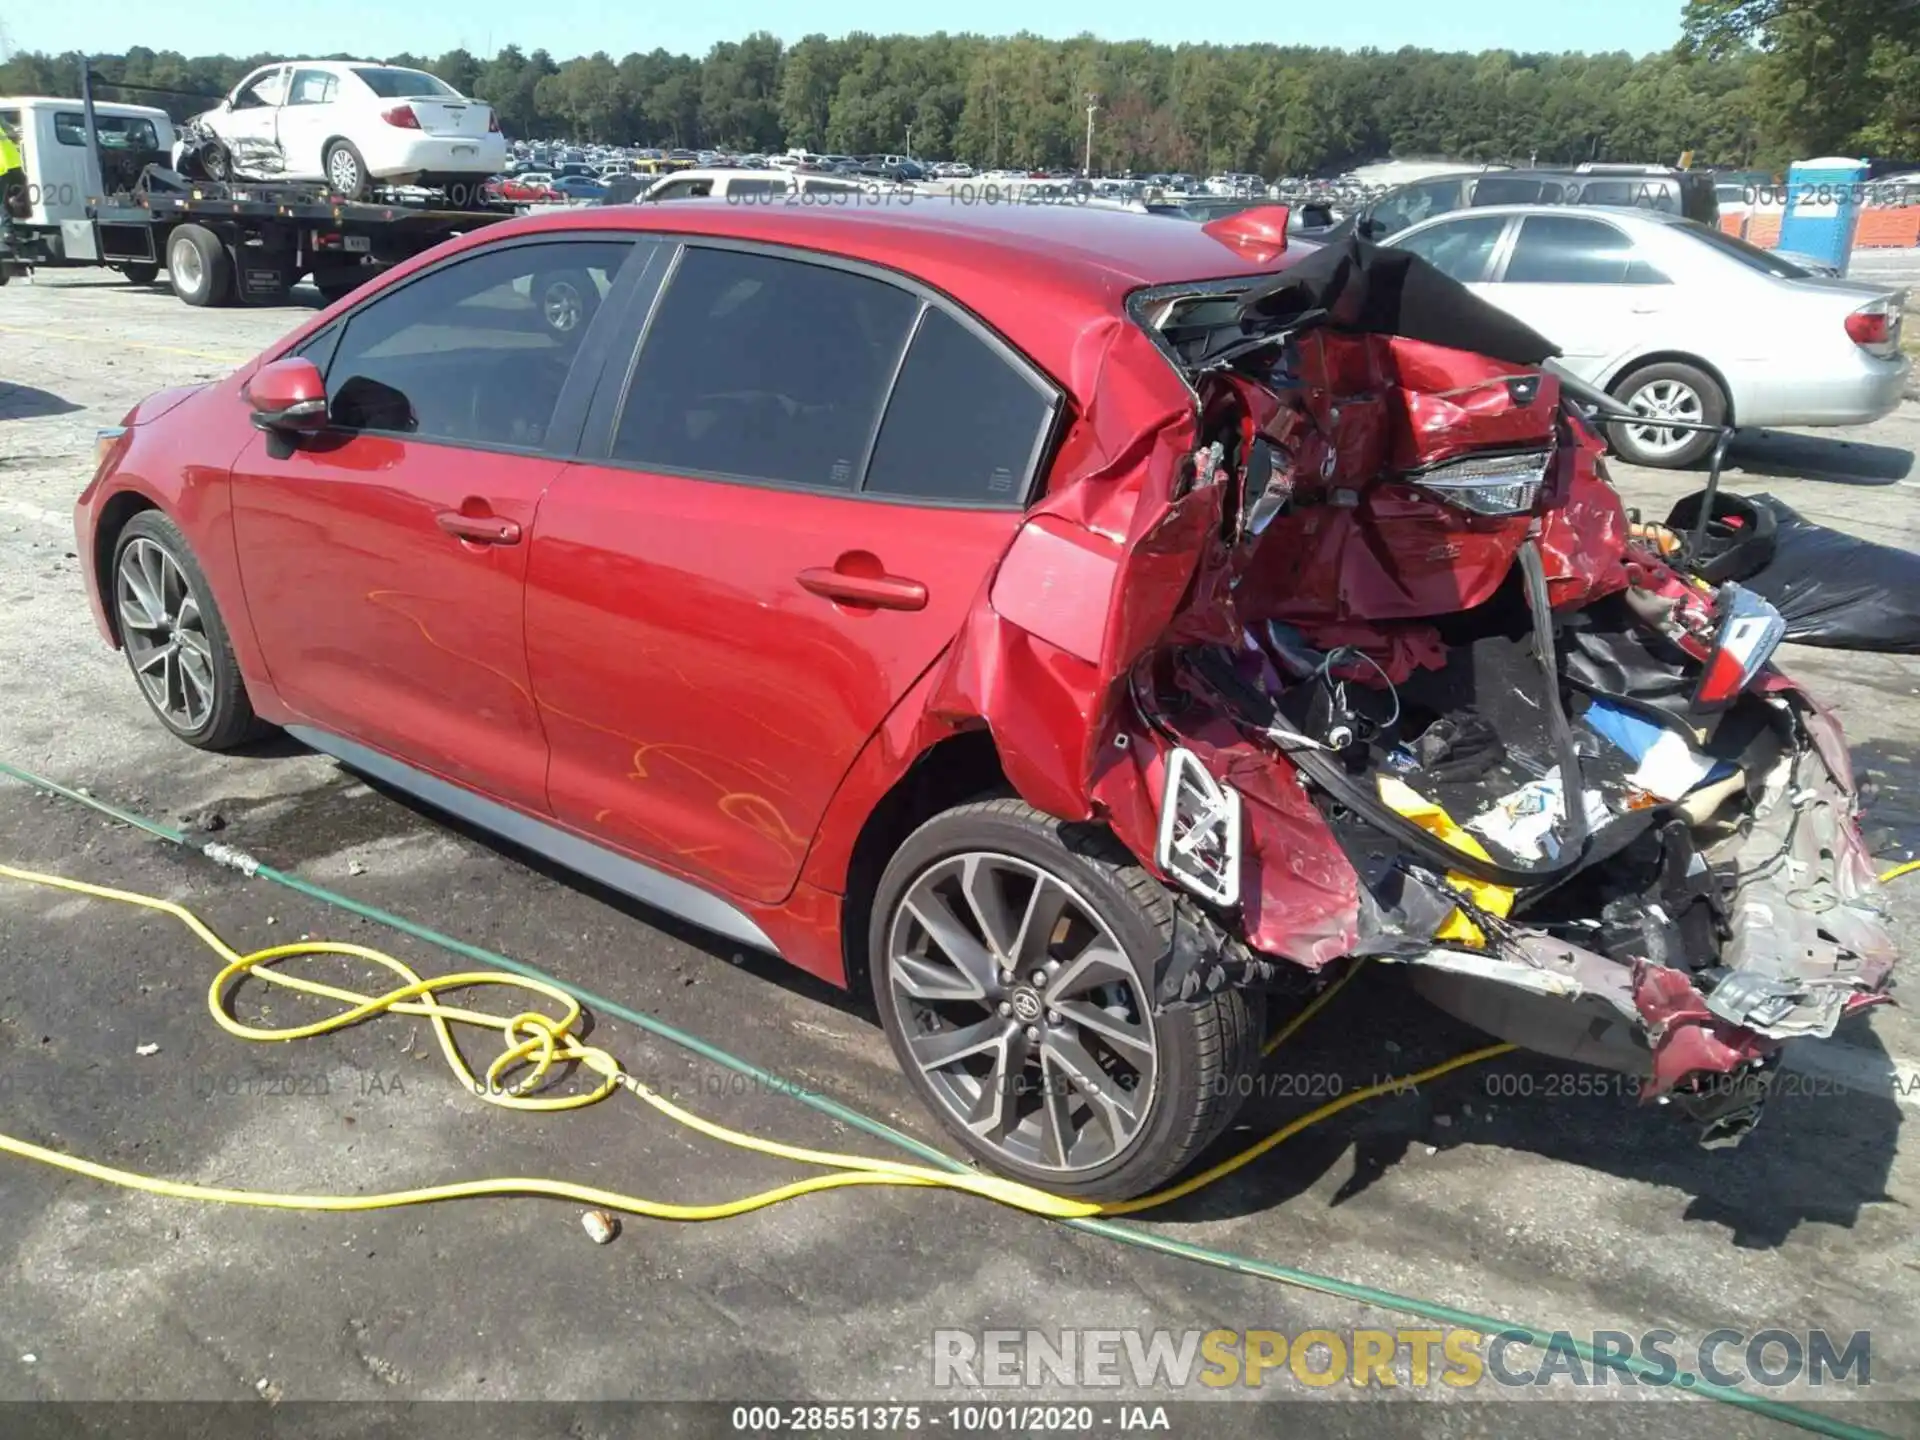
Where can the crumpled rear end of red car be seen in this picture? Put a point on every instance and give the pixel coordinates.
(1342, 630)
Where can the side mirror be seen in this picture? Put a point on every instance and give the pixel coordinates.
(288, 397)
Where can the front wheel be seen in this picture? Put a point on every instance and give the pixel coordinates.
(1013, 957)
(174, 638)
(140, 273)
(1668, 391)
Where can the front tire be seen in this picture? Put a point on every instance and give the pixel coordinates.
(140, 273)
(175, 640)
(1013, 962)
(1669, 389)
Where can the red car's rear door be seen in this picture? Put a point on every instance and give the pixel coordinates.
(384, 560)
(806, 476)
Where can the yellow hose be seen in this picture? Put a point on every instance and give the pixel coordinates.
(1899, 870)
(535, 1042)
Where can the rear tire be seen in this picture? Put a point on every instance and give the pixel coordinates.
(346, 170)
(198, 266)
(174, 638)
(1670, 388)
(1068, 1054)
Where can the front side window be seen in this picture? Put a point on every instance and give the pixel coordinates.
(1412, 205)
(477, 352)
(268, 90)
(1459, 248)
(1567, 250)
(764, 369)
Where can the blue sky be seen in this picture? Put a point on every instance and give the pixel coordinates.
(571, 27)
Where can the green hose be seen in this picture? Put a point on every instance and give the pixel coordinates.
(1125, 1234)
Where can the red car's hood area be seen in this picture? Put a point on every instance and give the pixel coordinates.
(1144, 541)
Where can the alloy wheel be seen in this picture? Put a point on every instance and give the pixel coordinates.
(1664, 399)
(1022, 1012)
(343, 172)
(563, 305)
(165, 634)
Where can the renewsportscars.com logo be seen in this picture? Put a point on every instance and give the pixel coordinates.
(1413, 1358)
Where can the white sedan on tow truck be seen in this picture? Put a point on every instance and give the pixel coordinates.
(351, 124)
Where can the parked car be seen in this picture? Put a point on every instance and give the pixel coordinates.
(532, 187)
(579, 187)
(771, 566)
(1687, 193)
(1680, 320)
(759, 184)
(351, 124)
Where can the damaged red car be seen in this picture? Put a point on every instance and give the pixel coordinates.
(1077, 627)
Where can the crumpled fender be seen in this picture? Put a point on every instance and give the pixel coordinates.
(1093, 577)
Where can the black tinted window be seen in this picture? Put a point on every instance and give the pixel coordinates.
(476, 352)
(764, 369)
(1460, 248)
(1566, 250)
(1513, 190)
(963, 423)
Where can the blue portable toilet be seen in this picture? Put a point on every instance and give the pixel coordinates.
(1823, 208)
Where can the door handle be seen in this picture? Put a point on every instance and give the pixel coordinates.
(480, 529)
(880, 592)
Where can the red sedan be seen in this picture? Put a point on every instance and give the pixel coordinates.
(1059, 620)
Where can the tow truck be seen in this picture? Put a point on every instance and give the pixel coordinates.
(101, 190)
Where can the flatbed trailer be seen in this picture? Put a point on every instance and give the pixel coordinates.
(243, 242)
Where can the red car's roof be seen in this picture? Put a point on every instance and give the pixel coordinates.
(1102, 245)
(1036, 272)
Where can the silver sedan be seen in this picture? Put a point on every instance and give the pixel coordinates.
(1680, 321)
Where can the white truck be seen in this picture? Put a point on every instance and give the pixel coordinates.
(119, 203)
(62, 177)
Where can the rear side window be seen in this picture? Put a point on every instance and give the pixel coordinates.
(476, 352)
(1567, 250)
(313, 87)
(757, 186)
(964, 425)
(764, 369)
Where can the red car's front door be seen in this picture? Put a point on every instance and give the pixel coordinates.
(385, 560)
(723, 609)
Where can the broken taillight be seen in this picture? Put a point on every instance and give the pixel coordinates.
(1488, 484)
(1199, 841)
(1751, 629)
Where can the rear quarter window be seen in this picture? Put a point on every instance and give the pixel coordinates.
(965, 426)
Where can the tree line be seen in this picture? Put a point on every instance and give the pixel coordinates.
(1754, 83)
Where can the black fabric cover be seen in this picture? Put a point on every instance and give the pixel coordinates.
(1375, 290)
(1839, 591)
